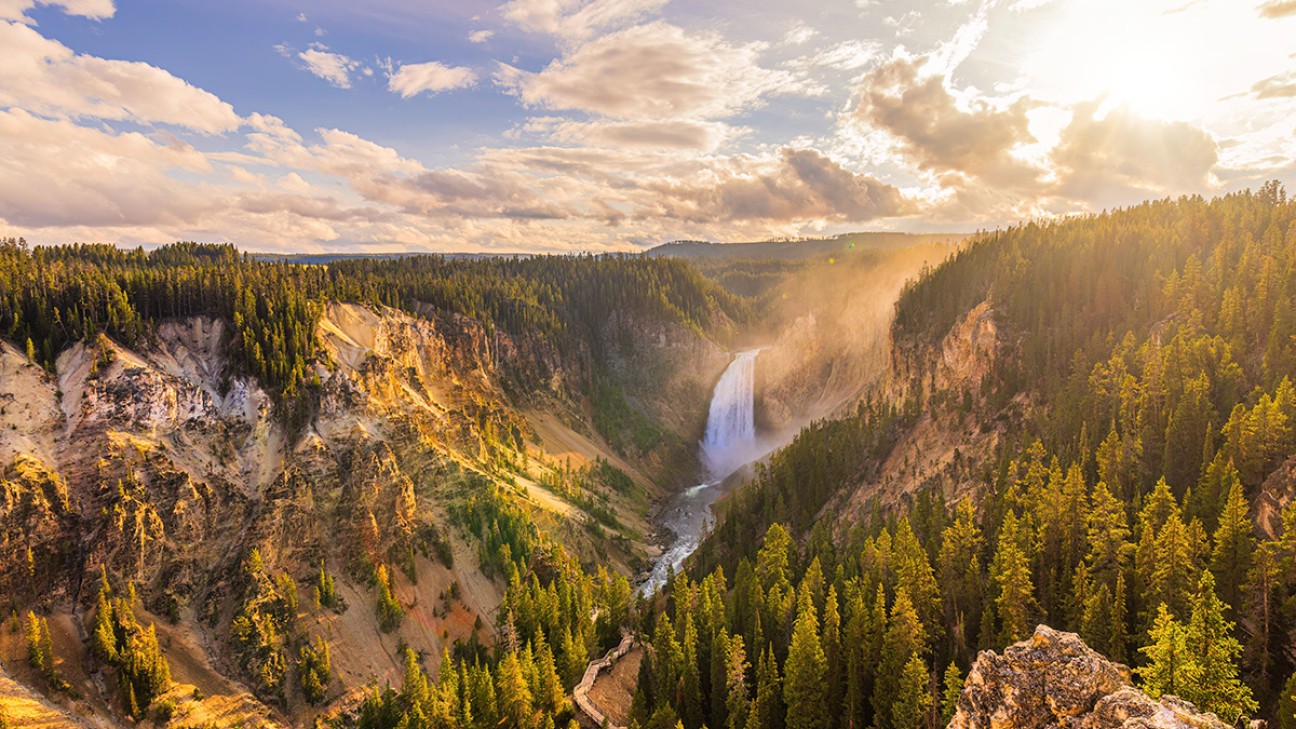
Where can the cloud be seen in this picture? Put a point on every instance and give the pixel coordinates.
(1282, 86)
(668, 134)
(798, 34)
(112, 179)
(939, 134)
(653, 71)
(480, 36)
(848, 55)
(332, 67)
(576, 20)
(801, 185)
(45, 77)
(1278, 8)
(432, 77)
(16, 10)
(1119, 157)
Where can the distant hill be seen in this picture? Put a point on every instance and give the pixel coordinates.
(800, 249)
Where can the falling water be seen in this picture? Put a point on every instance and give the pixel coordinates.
(729, 443)
(731, 424)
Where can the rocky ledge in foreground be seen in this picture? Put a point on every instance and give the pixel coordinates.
(1055, 680)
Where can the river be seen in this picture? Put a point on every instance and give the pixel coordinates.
(729, 444)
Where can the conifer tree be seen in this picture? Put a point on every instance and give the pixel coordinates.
(805, 689)
(737, 702)
(906, 637)
(952, 689)
(1234, 548)
(1015, 601)
(1170, 668)
(1215, 686)
(767, 707)
(914, 699)
(514, 695)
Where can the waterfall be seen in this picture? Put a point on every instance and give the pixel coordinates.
(730, 439)
(729, 444)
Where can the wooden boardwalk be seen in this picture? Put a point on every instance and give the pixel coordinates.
(580, 695)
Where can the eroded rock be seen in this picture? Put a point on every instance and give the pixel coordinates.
(1055, 680)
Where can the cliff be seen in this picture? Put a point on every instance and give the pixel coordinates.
(1054, 680)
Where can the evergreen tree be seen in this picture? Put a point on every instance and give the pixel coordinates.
(912, 703)
(953, 688)
(906, 638)
(805, 689)
(737, 702)
(1170, 668)
(1214, 685)
(1234, 548)
(767, 707)
(514, 694)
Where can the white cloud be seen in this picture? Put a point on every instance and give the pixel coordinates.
(653, 71)
(332, 67)
(576, 20)
(47, 78)
(16, 10)
(480, 36)
(432, 77)
(798, 34)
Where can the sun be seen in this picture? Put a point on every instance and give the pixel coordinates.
(1142, 55)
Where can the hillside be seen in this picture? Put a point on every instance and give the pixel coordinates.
(264, 507)
(1086, 423)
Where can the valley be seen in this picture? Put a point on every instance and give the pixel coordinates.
(784, 487)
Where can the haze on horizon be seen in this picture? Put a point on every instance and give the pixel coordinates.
(563, 125)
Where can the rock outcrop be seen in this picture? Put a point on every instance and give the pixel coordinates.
(1055, 680)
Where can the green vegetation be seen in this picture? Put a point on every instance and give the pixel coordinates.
(1155, 348)
(52, 297)
(118, 641)
(266, 613)
(40, 647)
(314, 670)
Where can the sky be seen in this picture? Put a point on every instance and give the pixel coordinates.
(594, 125)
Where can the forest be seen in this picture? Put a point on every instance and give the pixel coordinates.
(1148, 379)
(1156, 376)
(1146, 411)
(51, 297)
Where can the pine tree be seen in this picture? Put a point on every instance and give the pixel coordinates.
(1015, 602)
(1212, 647)
(1234, 548)
(737, 702)
(514, 695)
(1108, 538)
(961, 577)
(905, 638)
(690, 706)
(805, 688)
(720, 647)
(767, 707)
(914, 699)
(1170, 668)
(832, 648)
(953, 688)
(40, 646)
(914, 575)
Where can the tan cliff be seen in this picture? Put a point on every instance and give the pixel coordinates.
(166, 468)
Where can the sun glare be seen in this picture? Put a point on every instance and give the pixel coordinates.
(1140, 55)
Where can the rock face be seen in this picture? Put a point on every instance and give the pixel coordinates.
(1055, 680)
